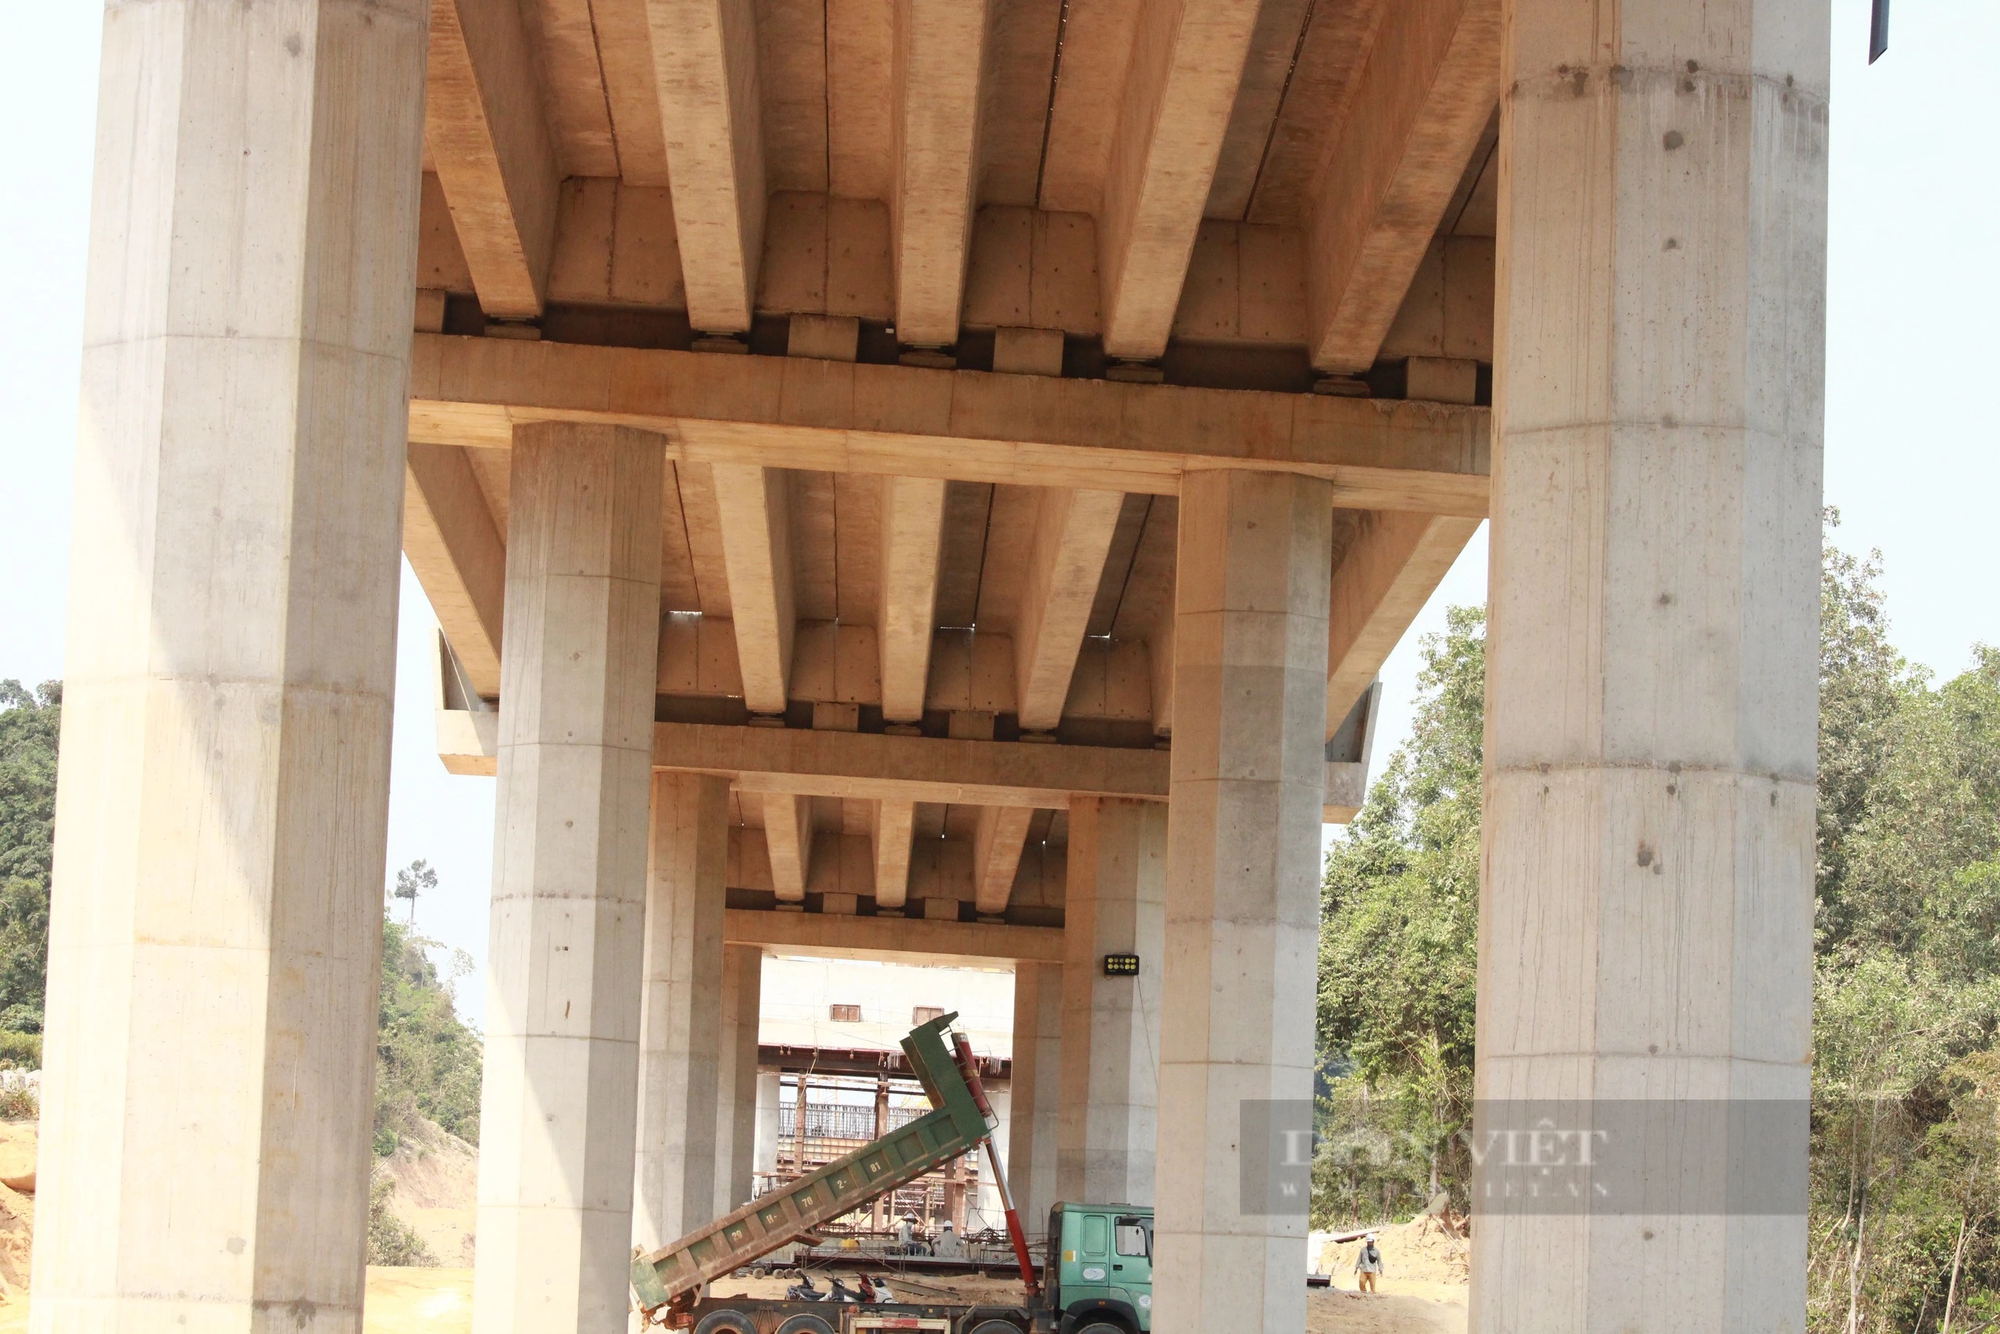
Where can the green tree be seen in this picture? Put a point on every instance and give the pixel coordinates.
(427, 1061)
(1904, 1220)
(1398, 946)
(415, 879)
(1907, 978)
(1862, 683)
(29, 726)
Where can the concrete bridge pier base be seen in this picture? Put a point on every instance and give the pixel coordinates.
(1115, 904)
(214, 940)
(682, 1039)
(1035, 1091)
(578, 664)
(1242, 909)
(1647, 889)
(736, 1080)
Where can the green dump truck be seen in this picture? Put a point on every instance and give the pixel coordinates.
(1099, 1280)
(1098, 1269)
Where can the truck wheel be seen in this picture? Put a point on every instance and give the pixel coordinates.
(726, 1322)
(995, 1327)
(1100, 1327)
(804, 1323)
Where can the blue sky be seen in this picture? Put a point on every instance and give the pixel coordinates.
(1912, 458)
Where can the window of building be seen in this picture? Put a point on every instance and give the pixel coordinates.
(846, 1014)
(923, 1014)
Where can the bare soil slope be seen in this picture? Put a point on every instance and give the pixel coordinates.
(437, 1192)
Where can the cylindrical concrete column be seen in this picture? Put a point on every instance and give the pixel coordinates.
(1115, 903)
(215, 929)
(577, 670)
(736, 1084)
(1646, 899)
(681, 1026)
(1246, 785)
(1035, 1094)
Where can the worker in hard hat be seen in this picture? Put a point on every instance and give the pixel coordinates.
(1367, 1264)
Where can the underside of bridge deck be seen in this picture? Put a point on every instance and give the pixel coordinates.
(914, 479)
(937, 311)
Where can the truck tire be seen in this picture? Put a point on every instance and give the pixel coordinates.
(995, 1327)
(726, 1322)
(1101, 1327)
(805, 1322)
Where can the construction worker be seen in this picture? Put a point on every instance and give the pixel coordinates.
(1367, 1264)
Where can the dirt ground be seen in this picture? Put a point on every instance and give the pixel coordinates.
(1334, 1312)
(415, 1301)
(1418, 1260)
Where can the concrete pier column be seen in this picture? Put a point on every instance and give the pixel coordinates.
(215, 929)
(764, 1151)
(569, 881)
(1115, 903)
(681, 1031)
(1646, 902)
(1250, 634)
(736, 1082)
(1035, 1093)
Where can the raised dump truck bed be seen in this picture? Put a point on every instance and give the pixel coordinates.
(668, 1280)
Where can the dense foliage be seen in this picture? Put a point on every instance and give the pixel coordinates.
(427, 1061)
(1905, 1176)
(1400, 913)
(1905, 1184)
(29, 723)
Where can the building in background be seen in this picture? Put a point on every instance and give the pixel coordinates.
(832, 1027)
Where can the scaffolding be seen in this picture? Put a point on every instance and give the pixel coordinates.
(841, 1113)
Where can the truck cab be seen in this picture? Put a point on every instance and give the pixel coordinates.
(1099, 1271)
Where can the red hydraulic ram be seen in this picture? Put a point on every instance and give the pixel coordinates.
(969, 1067)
